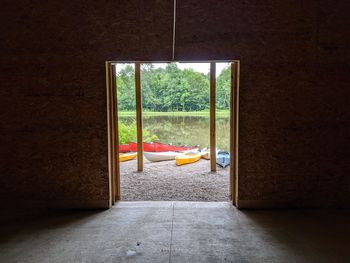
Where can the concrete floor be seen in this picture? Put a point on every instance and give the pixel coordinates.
(177, 232)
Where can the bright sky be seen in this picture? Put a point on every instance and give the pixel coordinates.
(199, 67)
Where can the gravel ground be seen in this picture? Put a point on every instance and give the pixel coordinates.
(164, 181)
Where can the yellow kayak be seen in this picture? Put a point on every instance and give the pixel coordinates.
(206, 155)
(126, 156)
(187, 158)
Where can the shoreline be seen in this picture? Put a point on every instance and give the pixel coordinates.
(223, 113)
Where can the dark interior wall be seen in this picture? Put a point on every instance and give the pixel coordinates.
(53, 95)
(294, 119)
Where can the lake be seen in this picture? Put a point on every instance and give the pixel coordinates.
(185, 130)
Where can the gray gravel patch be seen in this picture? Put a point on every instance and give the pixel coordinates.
(164, 181)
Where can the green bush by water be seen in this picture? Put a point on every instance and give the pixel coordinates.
(128, 133)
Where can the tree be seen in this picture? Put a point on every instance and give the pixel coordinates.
(171, 89)
(126, 89)
(223, 89)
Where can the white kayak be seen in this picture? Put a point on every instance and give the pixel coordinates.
(160, 156)
(166, 156)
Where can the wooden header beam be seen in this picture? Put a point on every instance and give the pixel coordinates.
(139, 117)
(212, 116)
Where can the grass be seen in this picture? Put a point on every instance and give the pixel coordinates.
(177, 113)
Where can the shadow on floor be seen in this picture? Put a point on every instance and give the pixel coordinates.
(13, 223)
(313, 235)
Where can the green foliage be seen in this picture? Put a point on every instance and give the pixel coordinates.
(171, 89)
(223, 89)
(127, 133)
(125, 88)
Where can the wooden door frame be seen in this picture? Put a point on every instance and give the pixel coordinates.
(112, 123)
(234, 131)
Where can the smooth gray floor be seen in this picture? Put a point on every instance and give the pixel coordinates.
(177, 232)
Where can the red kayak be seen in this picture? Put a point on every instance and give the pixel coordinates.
(124, 148)
(147, 147)
(158, 147)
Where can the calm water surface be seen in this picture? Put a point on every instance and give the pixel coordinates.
(185, 130)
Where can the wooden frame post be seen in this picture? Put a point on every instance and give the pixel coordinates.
(115, 135)
(212, 116)
(113, 142)
(139, 117)
(234, 114)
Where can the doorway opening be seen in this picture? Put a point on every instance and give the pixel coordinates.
(154, 107)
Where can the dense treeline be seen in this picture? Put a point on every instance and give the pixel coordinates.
(171, 89)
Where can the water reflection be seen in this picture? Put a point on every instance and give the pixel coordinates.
(186, 130)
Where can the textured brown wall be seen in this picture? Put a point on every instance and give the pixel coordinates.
(53, 95)
(294, 113)
(294, 119)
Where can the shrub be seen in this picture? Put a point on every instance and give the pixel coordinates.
(127, 133)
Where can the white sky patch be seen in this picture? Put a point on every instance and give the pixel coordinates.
(119, 66)
(198, 67)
